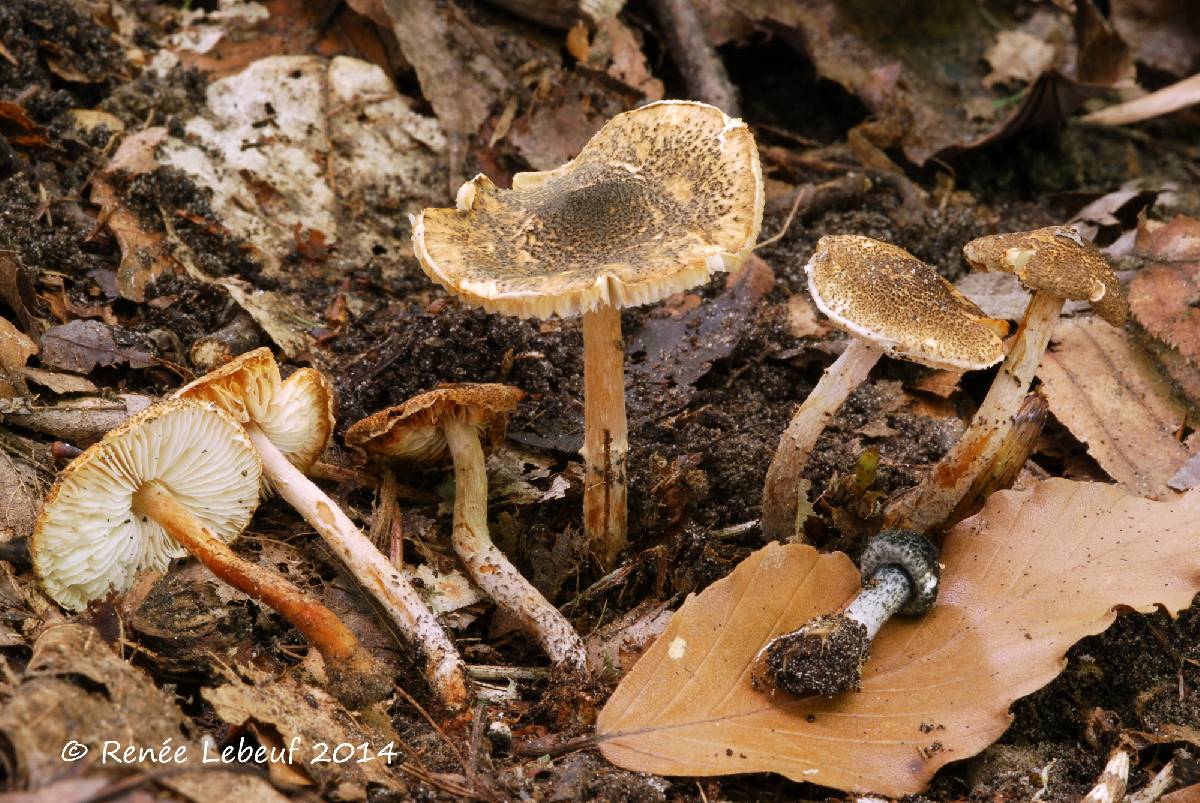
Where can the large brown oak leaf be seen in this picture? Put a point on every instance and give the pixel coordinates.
(1024, 579)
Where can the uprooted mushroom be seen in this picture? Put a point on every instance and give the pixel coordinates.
(657, 201)
(180, 477)
(289, 424)
(454, 420)
(1056, 264)
(890, 303)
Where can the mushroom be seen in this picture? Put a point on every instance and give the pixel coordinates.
(657, 201)
(289, 424)
(180, 477)
(890, 303)
(450, 420)
(827, 654)
(1057, 264)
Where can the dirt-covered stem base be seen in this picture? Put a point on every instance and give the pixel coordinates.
(489, 567)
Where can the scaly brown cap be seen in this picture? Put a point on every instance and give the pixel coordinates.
(88, 541)
(297, 414)
(886, 295)
(412, 431)
(657, 201)
(1055, 260)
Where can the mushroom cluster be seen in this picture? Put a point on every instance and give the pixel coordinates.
(659, 200)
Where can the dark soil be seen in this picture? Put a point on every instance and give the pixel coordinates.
(699, 453)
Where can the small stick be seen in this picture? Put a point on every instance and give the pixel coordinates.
(1110, 786)
(702, 69)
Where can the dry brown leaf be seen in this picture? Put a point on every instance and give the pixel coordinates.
(803, 320)
(76, 688)
(1025, 579)
(1164, 34)
(312, 717)
(81, 345)
(1162, 295)
(15, 350)
(1107, 391)
(143, 256)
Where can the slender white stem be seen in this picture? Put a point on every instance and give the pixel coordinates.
(391, 589)
(883, 594)
(489, 567)
(781, 493)
(941, 490)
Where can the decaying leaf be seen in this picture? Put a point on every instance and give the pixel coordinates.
(312, 717)
(301, 143)
(76, 688)
(678, 351)
(1162, 295)
(1022, 581)
(81, 345)
(1164, 34)
(15, 350)
(1105, 389)
(1017, 56)
(20, 497)
(916, 69)
(143, 257)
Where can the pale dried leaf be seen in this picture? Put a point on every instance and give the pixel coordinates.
(59, 383)
(1107, 391)
(1017, 56)
(1022, 581)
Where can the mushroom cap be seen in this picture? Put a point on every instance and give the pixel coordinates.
(412, 431)
(884, 294)
(88, 541)
(657, 201)
(296, 414)
(1057, 260)
(912, 553)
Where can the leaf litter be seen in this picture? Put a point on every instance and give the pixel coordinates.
(98, 225)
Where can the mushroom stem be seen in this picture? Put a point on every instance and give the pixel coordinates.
(391, 589)
(939, 493)
(826, 655)
(605, 433)
(884, 593)
(781, 493)
(324, 630)
(488, 565)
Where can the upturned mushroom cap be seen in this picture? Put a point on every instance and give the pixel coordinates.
(884, 294)
(412, 431)
(657, 201)
(297, 414)
(88, 541)
(912, 553)
(1057, 260)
